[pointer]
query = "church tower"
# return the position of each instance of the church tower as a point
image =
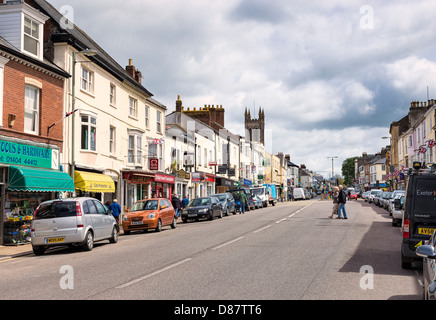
(255, 128)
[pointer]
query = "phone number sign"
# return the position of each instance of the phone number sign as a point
(26, 155)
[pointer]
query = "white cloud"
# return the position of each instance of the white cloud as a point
(327, 85)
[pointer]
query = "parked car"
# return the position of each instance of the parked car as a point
(374, 193)
(365, 195)
(397, 211)
(427, 251)
(419, 215)
(394, 194)
(75, 221)
(147, 214)
(353, 195)
(258, 203)
(384, 199)
(235, 194)
(227, 202)
(205, 207)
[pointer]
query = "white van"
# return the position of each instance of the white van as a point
(299, 194)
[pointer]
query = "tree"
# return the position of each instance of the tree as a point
(348, 170)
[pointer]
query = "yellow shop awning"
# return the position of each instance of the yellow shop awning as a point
(93, 182)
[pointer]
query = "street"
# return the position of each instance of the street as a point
(292, 251)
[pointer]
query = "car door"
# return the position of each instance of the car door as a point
(94, 219)
(106, 220)
(170, 213)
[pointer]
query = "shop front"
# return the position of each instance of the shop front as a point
(29, 175)
(136, 185)
(163, 185)
(203, 184)
(223, 184)
(182, 183)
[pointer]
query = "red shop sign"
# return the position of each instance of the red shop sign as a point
(163, 178)
(153, 164)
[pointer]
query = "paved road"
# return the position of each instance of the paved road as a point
(290, 251)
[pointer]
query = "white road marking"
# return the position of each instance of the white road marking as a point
(227, 243)
(258, 230)
(153, 273)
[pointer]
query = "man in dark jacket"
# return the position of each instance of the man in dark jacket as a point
(175, 201)
(342, 199)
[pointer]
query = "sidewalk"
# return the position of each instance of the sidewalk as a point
(8, 252)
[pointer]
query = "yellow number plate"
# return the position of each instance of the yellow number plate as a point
(54, 240)
(428, 231)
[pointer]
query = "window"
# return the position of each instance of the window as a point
(112, 140)
(113, 95)
(158, 122)
(31, 110)
(134, 154)
(147, 117)
(133, 110)
(87, 80)
(89, 130)
(31, 36)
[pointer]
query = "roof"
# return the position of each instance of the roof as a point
(81, 41)
(45, 63)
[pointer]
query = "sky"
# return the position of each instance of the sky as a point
(331, 76)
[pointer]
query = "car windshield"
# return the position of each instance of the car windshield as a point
(257, 191)
(56, 209)
(144, 205)
(221, 197)
(199, 202)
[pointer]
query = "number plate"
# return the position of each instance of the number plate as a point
(136, 222)
(191, 215)
(428, 231)
(54, 240)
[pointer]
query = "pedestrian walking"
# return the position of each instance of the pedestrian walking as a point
(116, 210)
(335, 202)
(244, 201)
(342, 199)
(175, 201)
(184, 202)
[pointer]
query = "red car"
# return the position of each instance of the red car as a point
(353, 195)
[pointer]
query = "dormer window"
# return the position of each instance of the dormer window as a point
(24, 28)
(31, 36)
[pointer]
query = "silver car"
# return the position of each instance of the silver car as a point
(427, 251)
(397, 212)
(79, 221)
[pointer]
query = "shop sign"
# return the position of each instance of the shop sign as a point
(197, 177)
(188, 159)
(210, 178)
(153, 164)
(163, 178)
(183, 174)
(28, 155)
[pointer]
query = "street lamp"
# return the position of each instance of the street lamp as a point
(334, 157)
(88, 53)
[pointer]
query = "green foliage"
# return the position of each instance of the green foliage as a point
(348, 170)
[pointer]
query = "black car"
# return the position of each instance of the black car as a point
(419, 214)
(199, 208)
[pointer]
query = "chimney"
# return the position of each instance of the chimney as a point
(135, 74)
(179, 107)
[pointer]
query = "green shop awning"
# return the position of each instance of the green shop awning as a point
(43, 180)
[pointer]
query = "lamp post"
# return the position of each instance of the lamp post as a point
(88, 53)
(334, 157)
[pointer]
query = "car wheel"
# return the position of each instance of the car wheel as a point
(184, 220)
(174, 224)
(227, 212)
(159, 226)
(38, 250)
(211, 215)
(114, 238)
(89, 242)
(221, 214)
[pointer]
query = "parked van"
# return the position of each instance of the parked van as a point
(419, 215)
(299, 194)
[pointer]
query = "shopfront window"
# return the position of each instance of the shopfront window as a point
(18, 214)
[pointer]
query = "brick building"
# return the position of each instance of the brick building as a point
(31, 126)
